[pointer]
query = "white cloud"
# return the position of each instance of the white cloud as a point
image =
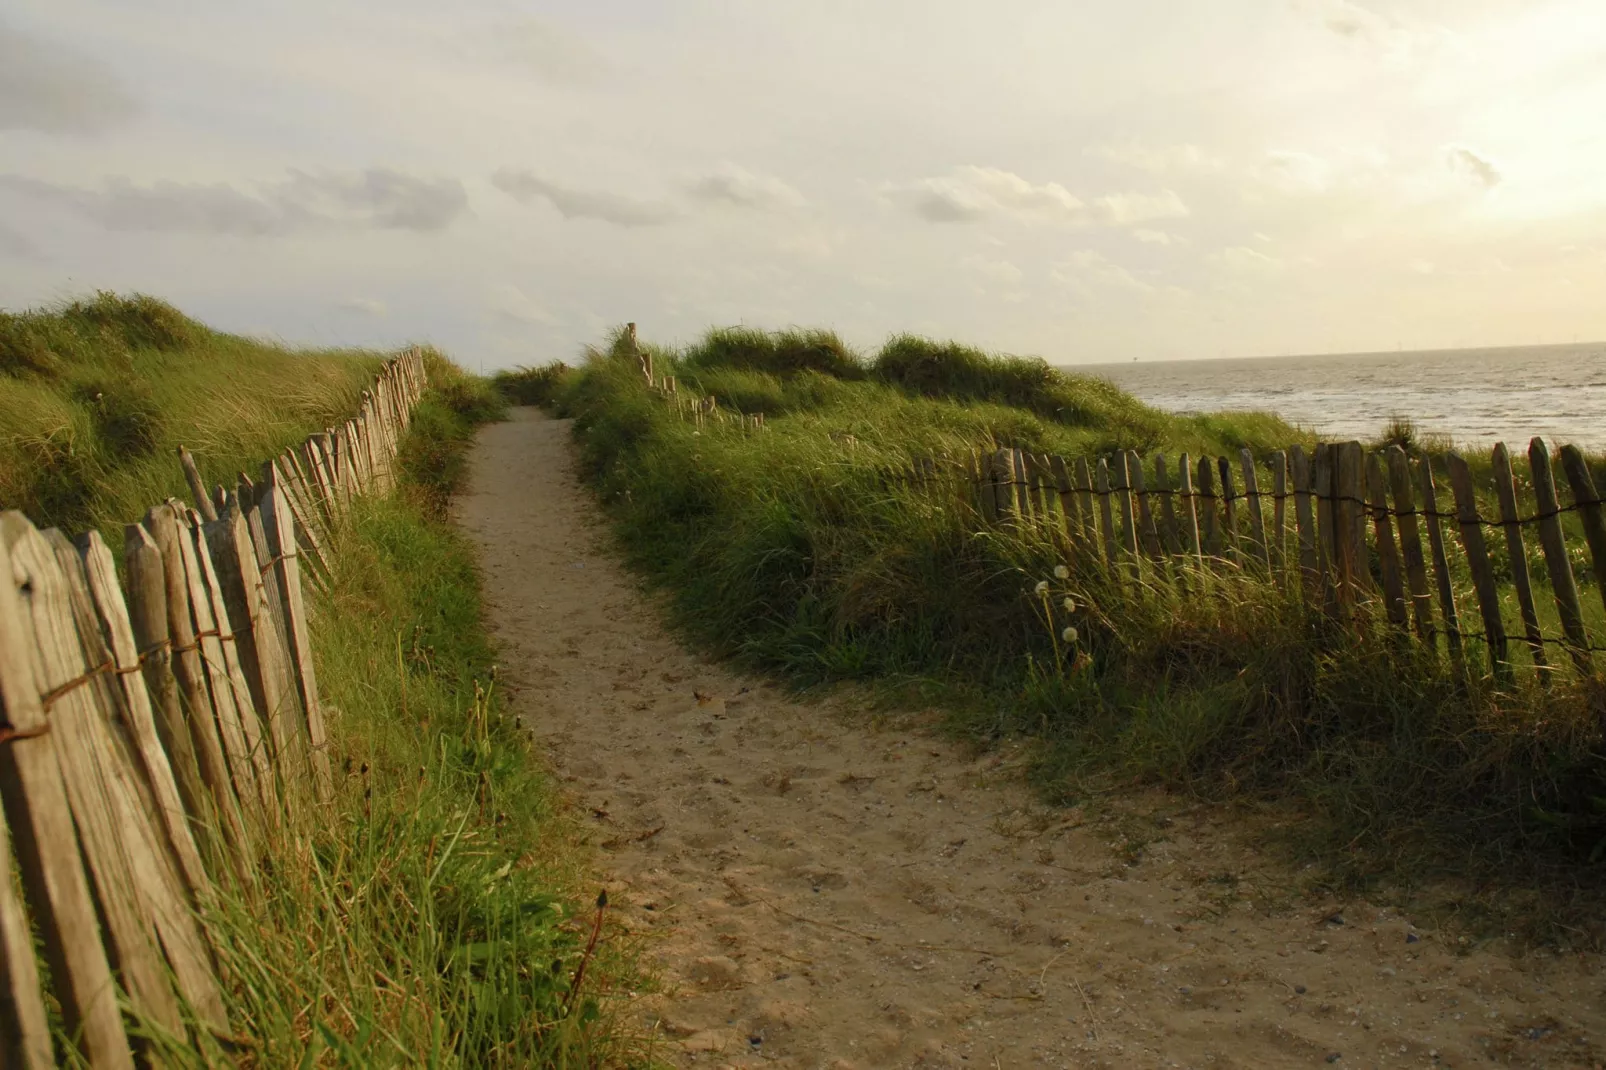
(1159, 159)
(741, 188)
(544, 49)
(1394, 38)
(572, 203)
(379, 198)
(1086, 270)
(1125, 209)
(363, 306)
(1001, 272)
(1243, 258)
(48, 87)
(970, 194)
(1153, 237)
(508, 302)
(1468, 165)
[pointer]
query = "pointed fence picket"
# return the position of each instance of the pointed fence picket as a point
(156, 732)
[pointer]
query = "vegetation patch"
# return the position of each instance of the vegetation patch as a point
(96, 396)
(793, 550)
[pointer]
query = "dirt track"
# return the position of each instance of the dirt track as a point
(828, 893)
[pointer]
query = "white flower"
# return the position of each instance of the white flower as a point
(1042, 587)
(1069, 635)
(1061, 572)
(1070, 605)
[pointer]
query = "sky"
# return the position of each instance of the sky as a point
(1156, 179)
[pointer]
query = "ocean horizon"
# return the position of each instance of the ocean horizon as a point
(1476, 396)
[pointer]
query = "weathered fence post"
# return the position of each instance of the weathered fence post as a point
(1556, 562)
(1505, 489)
(1441, 561)
(1471, 524)
(1388, 557)
(1399, 478)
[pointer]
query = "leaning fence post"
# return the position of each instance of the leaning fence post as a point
(1257, 520)
(1587, 502)
(1505, 489)
(1399, 478)
(1305, 528)
(1383, 536)
(1561, 570)
(53, 878)
(1106, 513)
(1471, 524)
(1191, 542)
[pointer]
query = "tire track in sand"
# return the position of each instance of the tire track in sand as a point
(825, 893)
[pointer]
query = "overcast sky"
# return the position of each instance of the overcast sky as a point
(1085, 181)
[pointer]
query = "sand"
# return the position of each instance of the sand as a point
(823, 888)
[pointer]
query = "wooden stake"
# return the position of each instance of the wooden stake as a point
(48, 858)
(192, 475)
(1506, 490)
(1471, 525)
(1556, 562)
(1388, 555)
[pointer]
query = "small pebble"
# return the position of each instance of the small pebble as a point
(755, 1041)
(1334, 1057)
(1412, 938)
(1299, 990)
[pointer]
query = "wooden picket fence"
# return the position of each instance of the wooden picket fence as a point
(160, 731)
(1365, 534)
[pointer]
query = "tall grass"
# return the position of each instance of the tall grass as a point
(97, 394)
(787, 549)
(440, 915)
(438, 912)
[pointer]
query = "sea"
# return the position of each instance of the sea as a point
(1475, 396)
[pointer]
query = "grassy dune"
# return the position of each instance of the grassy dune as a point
(786, 549)
(96, 395)
(438, 912)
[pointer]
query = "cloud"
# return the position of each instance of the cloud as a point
(1356, 22)
(546, 50)
(363, 306)
(741, 188)
(14, 243)
(1125, 209)
(1243, 258)
(508, 302)
(615, 208)
(970, 194)
(46, 87)
(1158, 160)
(1153, 237)
(999, 271)
(1396, 39)
(1085, 270)
(1469, 165)
(378, 198)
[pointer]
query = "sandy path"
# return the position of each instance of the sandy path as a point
(832, 894)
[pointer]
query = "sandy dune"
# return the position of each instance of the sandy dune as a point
(826, 892)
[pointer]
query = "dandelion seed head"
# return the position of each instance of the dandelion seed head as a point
(1069, 635)
(1061, 572)
(1042, 587)
(1070, 605)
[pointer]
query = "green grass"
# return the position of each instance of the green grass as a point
(96, 395)
(788, 550)
(439, 916)
(438, 912)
